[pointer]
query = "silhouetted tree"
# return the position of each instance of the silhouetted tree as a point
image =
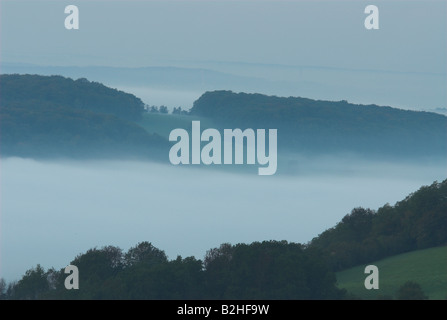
(32, 285)
(146, 253)
(3, 288)
(163, 109)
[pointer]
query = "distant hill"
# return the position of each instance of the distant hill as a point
(426, 267)
(384, 87)
(53, 116)
(314, 126)
(79, 94)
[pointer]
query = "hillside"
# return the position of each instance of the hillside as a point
(80, 94)
(314, 126)
(260, 270)
(53, 116)
(426, 267)
(417, 222)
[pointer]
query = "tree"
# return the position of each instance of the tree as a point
(78, 94)
(3, 288)
(96, 265)
(411, 291)
(32, 285)
(163, 109)
(268, 270)
(146, 253)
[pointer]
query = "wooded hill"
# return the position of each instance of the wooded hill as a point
(417, 222)
(53, 116)
(315, 126)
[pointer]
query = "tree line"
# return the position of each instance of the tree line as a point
(53, 116)
(80, 94)
(164, 110)
(260, 270)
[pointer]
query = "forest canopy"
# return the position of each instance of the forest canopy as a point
(53, 116)
(316, 126)
(81, 94)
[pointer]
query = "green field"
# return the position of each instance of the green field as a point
(426, 267)
(163, 124)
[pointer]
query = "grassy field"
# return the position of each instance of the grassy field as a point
(427, 267)
(163, 124)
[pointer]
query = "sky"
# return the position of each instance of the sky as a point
(411, 35)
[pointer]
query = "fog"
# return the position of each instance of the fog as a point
(409, 91)
(167, 97)
(52, 211)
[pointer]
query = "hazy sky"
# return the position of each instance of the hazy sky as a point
(412, 35)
